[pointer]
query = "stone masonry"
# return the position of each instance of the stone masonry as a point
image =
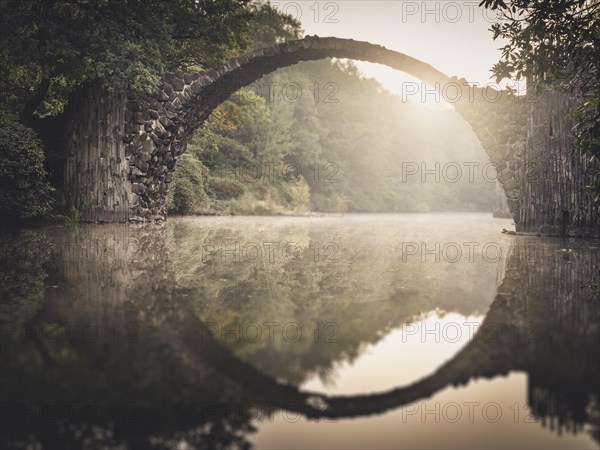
(508, 127)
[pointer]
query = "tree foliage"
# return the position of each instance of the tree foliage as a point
(50, 47)
(187, 194)
(557, 43)
(25, 193)
(318, 136)
(270, 26)
(549, 40)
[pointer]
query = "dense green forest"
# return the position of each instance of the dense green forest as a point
(314, 137)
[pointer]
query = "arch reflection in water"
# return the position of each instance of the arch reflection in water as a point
(104, 332)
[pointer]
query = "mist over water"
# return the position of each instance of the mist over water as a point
(397, 330)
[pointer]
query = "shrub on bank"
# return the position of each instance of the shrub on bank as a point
(25, 192)
(187, 194)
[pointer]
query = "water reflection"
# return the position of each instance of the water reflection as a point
(158, 336)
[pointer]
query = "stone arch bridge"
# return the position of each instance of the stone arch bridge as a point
(138, 147)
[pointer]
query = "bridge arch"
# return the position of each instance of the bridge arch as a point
(157, 135)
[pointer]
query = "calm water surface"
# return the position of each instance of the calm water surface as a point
(364, 331)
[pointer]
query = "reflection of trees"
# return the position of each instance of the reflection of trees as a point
(174, 377)
(367, 293)
(23, 257)
(593, 411)
(563, 316)
(128, 383)
(543, 321)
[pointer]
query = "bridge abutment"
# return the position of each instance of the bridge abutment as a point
(96, 169)
(554, 174)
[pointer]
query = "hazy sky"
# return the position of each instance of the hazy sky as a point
(453, 36)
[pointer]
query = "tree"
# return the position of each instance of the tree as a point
(25, 191)
(52, 47)
(557, 43)
(187, 194)
(269, 26)
(554, 41)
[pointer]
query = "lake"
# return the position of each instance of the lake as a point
(362, 331)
